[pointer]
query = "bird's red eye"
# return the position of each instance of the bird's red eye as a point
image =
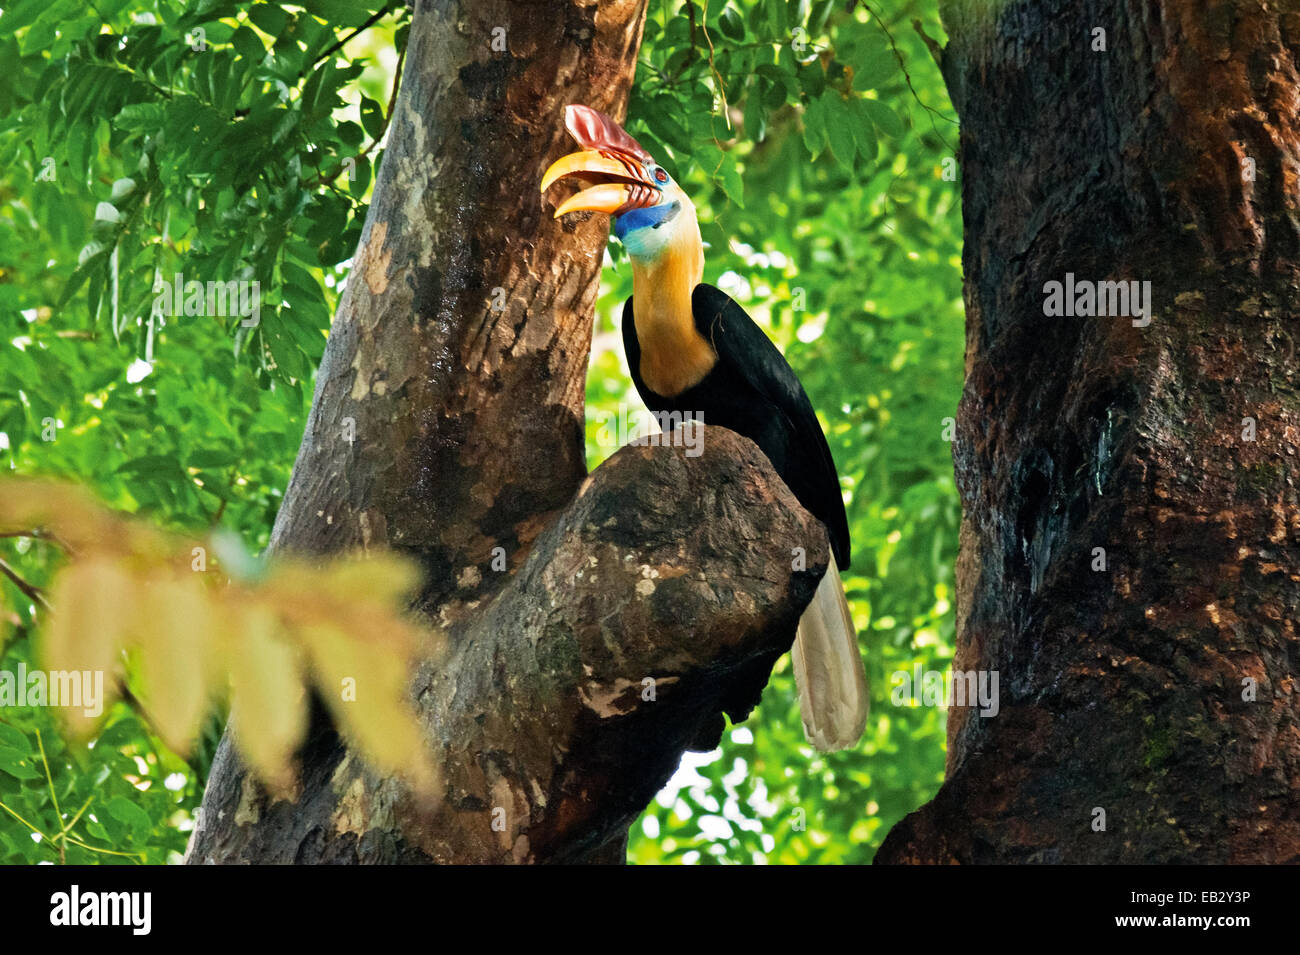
(660, 175)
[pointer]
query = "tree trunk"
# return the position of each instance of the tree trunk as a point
(588, 645)
(1129, 562)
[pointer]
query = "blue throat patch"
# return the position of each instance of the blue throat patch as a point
(649, 218)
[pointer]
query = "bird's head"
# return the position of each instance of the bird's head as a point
(652, 215)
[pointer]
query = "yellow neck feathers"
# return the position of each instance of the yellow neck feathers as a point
(674, 356)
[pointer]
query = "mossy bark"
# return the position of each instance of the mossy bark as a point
(1130, 554)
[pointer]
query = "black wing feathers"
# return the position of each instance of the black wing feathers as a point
(750, 355)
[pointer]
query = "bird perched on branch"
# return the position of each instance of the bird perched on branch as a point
(694, 351)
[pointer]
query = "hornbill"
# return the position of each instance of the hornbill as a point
(693, 350)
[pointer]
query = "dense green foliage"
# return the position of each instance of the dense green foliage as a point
(133, 148)
(829, 218)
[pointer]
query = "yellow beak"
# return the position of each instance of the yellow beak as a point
(615, 185)
(584, 164)
(606, 197)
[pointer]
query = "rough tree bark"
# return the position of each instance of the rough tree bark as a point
(447, 422)
(1171, 157)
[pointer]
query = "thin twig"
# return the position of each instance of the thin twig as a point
(931, 44)
(387, 9)
(717, 77)
(225, 498)
(137, 856)
(902, 65)
(67, 829)
(130, 699)
(33, 592)
(397, 81)
(39, 534)
(44, 841)
(324, 178)
(58, 813)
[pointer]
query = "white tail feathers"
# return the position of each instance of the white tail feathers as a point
(828, 669)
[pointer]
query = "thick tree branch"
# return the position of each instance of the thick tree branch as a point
(656, 601)
(448, 415)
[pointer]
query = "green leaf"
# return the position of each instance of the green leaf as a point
(732, 182)
(731, 23)
(874, 69)
(296, 277)
(820, 14)
(814, 127)
(350, 134)
(372, 117)
(151, 465)
(130, 815)
(359, 177)
(137, 117)
(289, 359)
(812, 78)
(340, 12)
(248, 44)
(864, 130)
(269, 18)
(203, 11)
(784, 78)
(20, 14)
(778, 14)
(883, 117)
(14, 739)
(92, 262)
(125, 731)
(755, 119)
(840, 122)
(17, 763)
(97, 829)
(212, 458)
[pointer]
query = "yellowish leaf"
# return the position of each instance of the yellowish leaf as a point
(269, 705)
(366, 688)
(91, 601)
(173, 626)
(129, 586)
